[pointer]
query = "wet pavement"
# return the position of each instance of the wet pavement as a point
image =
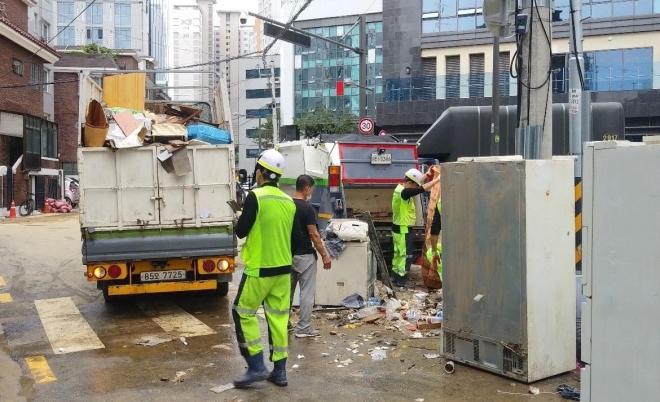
(41, 269)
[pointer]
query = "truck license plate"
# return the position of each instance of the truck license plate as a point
(382, 159)
(153, 276)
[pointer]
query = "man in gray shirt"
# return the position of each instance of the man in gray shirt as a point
(304, 259)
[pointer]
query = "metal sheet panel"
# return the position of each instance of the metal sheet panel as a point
(623, 216)
(356, 164)
(11, 124)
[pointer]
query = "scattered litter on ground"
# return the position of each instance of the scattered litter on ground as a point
(222, 388)
(333, 332)
(295, 366)
(431, 356)
(419, 400)
(180, 376)
(534, 390)
(153, 340)
(183, 340)
(225, 325)
(164, 379)
(224, 346)
(346, 362)
(378, 354)
(301, 356)
(568, 392)
(332, 316)
(417, 335)
(210, 365)
(478, 297)
(353, 301)
(340, 366)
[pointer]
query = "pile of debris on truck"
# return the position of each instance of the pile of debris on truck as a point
(175, 126)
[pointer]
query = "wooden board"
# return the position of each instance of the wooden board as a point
(429, 271)
(125, 90)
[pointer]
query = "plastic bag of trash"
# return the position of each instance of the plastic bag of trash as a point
(366, 312)
(208, 134)
(353, 301)
(568, 392)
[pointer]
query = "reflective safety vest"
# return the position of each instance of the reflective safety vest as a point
(439, 206)
(403, 212)
(268, 245)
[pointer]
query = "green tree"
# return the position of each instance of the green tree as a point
(93, 48)
(325, 121)
(264, 133)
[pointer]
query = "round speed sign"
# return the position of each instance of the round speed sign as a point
(366, 126)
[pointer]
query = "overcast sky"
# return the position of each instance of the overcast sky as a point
(249, 5)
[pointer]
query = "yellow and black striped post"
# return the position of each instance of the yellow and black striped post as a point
(578, 224)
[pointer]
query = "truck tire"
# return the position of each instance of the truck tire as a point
(221, 290)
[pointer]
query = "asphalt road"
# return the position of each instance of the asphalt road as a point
(59, 341)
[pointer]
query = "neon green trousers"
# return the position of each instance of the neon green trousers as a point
(403, 258)
(274, 294)
(430, 254)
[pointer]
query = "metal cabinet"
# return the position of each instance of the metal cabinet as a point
(621, 272)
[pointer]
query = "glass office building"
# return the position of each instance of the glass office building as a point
(319, 67)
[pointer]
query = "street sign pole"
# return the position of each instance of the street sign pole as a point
(495, 118)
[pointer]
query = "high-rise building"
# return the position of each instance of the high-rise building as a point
(191, 38)
(186, 37)
(309, 75)
(115, 25)
(246, 37)
(270, 9)
(227, 39)
(158, 22)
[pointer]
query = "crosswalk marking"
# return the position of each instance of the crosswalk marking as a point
(5, 298)
(2, 282)
(66, 328)
(40, 369)
(173, 318)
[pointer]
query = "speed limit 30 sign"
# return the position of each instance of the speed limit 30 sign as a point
(366, 126)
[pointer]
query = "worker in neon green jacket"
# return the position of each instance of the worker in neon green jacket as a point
(403, 217)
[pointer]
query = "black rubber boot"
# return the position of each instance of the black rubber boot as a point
(401, 281)
(256, 371)
(278, 375)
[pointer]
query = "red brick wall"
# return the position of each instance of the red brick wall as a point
(128, 62)
(66, 116)
(23, 99)
(17, 11)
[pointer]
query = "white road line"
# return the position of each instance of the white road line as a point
(66, 328)
(174, 319)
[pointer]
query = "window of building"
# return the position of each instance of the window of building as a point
(252, 153)
(260, 93)
(122, 14)
(559, 73)
(36, 74)
(477, 76)
(504, 63)
(94, 14)
(17, 67)
(123, 38)
(47, 87)
(45, 32)
(95, 35)
(67, 36)
(65, 13)
(251, 133)
(453, 77)
(255, 113)
(451, 15)
(49, 140)
(429, 68)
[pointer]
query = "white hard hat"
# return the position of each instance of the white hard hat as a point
(415, 175)
(272, 160)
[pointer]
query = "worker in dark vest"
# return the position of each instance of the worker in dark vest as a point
(269, 222)
(404, 216)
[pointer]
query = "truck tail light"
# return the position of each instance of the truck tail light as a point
(208, 266)
(114, 271)
(334, 179)
(223, 265)
(99, 272)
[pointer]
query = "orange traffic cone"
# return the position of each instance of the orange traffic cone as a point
(46, 208)
(12, 211)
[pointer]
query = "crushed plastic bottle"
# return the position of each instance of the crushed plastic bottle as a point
(373, 302)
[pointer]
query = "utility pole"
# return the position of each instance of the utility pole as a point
(363, 66)
(495, 119)
(271, 81)
(536, 99)
(575, 84)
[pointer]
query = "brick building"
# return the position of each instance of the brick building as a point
(24, 132)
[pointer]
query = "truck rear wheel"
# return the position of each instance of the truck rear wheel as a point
(221, 290)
